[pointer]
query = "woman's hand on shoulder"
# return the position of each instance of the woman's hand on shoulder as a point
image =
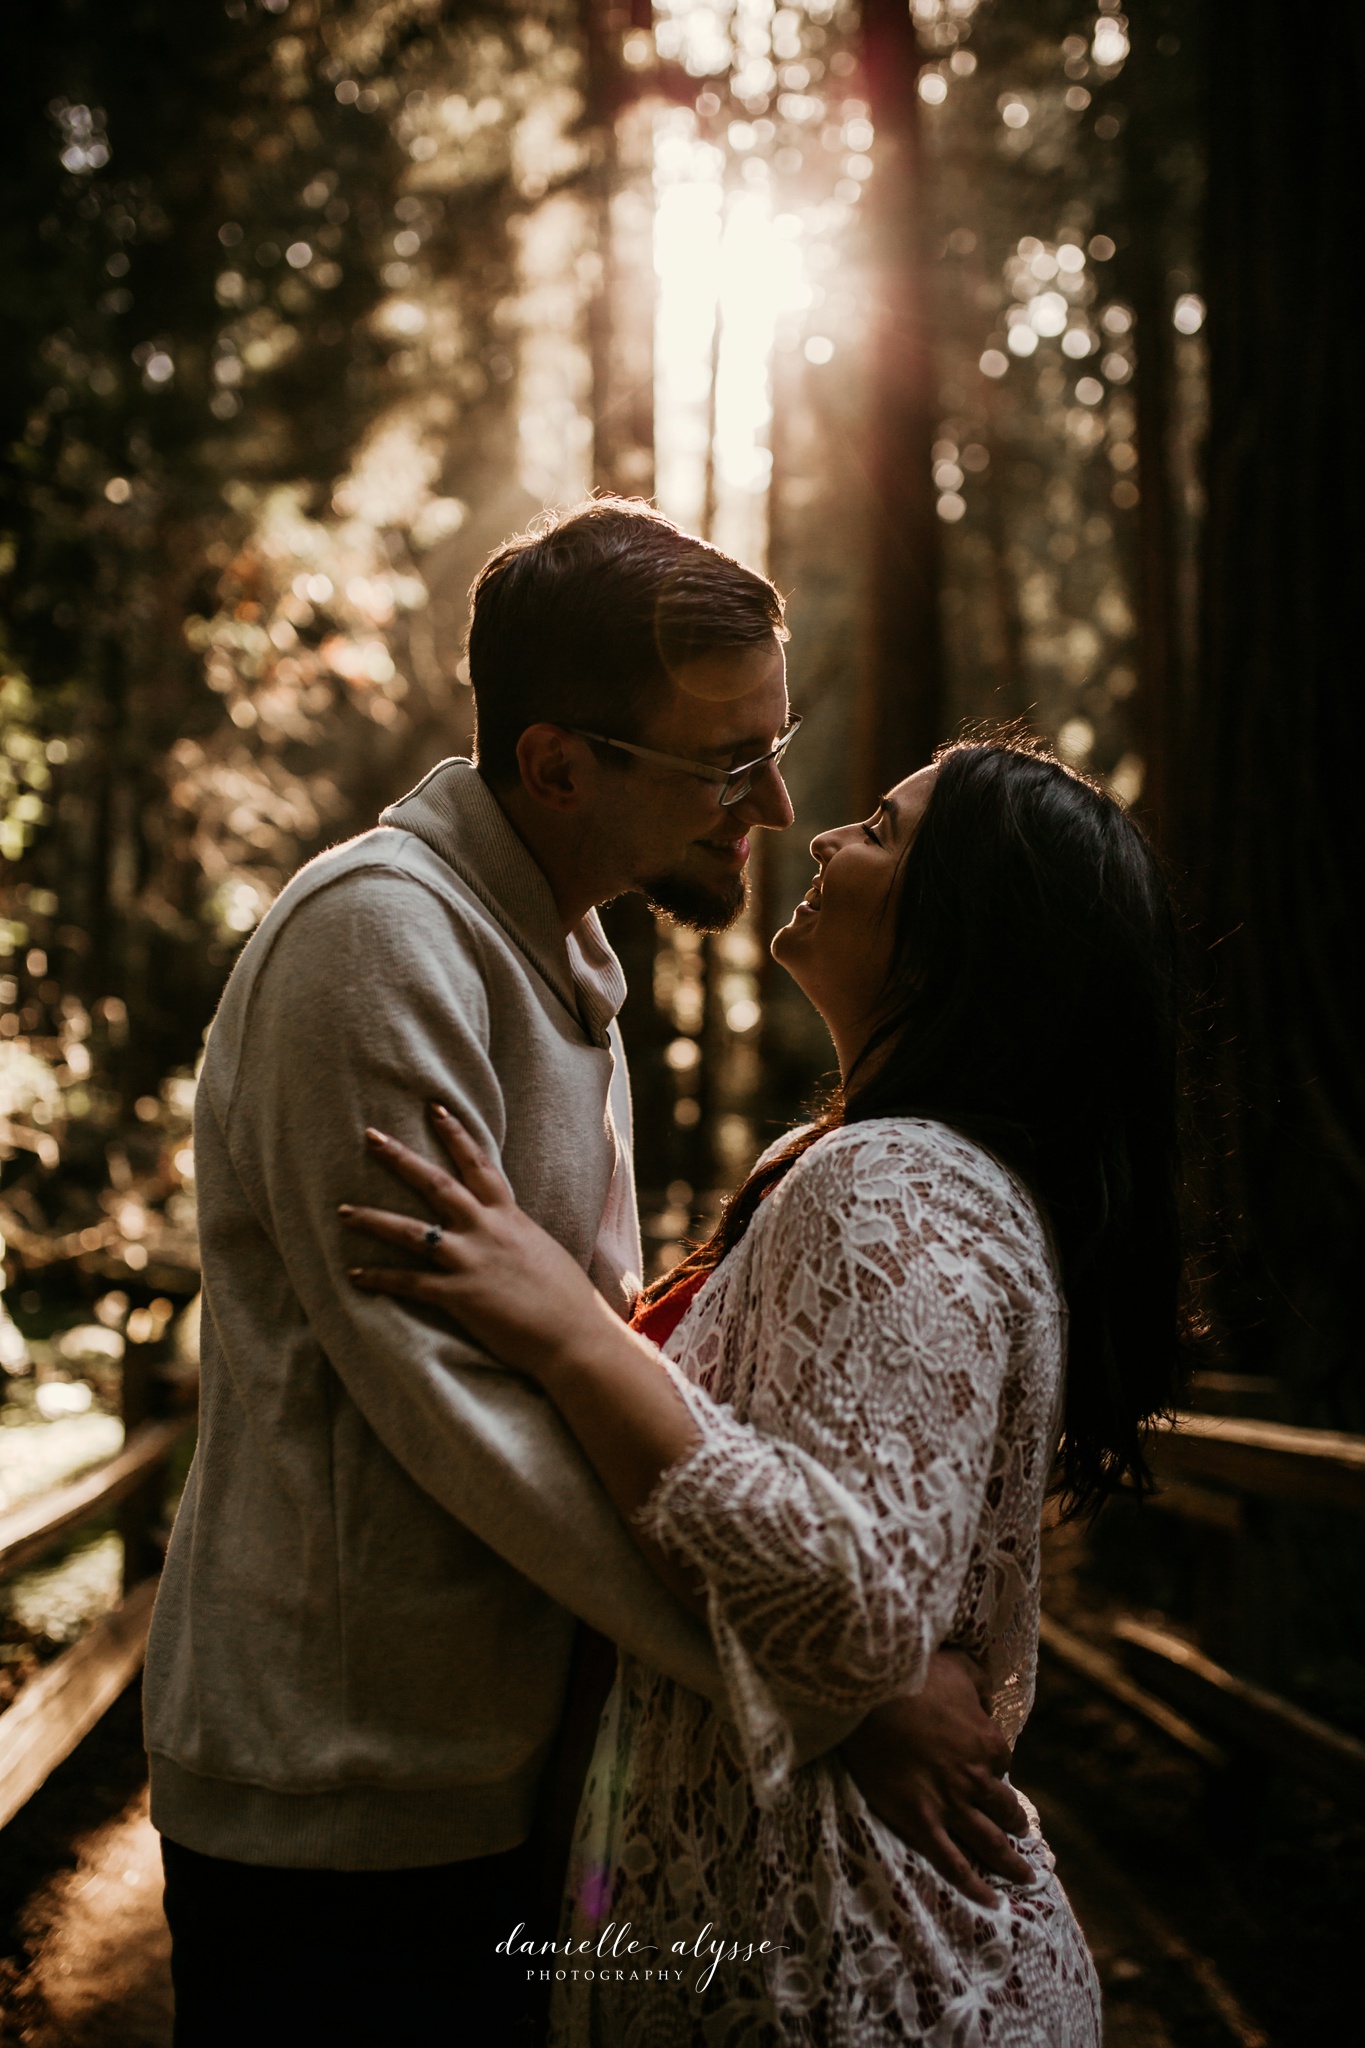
(492, 1270)
(518, 1293)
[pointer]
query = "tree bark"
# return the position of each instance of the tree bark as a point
(1278, 819)
(1141, 269)
(903, 705)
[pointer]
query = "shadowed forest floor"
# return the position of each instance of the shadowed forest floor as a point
(84, 1950)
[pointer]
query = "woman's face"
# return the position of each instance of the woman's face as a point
(837, 947)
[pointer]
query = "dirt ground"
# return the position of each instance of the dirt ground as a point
(100, 1969)
(84, 1952)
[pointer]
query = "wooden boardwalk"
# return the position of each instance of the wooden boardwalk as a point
(85, 1958)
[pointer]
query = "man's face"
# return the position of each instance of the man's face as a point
(685, 851)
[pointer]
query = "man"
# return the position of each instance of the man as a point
(359, 1652)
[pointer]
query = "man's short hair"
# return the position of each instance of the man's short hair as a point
(582, 621)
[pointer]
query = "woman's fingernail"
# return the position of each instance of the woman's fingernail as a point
(375, 1138)
(345, 1209)
(439, 1109)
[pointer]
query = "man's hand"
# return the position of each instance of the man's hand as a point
(930, 1764)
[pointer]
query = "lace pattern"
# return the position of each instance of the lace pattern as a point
(876, 1371)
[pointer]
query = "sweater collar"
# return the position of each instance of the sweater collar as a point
(457, 815)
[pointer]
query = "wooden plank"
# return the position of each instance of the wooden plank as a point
(63, 1702)
(35, 1525)
(1246, 1713)
(1274, 1460)
(1097, 1668)
(1174, 1985)
(1246, 1395)
(1207, 1505)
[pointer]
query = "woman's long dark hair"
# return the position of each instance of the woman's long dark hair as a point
(1031, 1006)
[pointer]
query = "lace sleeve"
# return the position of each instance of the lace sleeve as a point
(835, 1525)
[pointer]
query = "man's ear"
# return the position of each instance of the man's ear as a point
(556, 766)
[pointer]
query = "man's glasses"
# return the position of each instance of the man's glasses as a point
(733, 784)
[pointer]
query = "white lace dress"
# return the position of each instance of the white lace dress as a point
(876, 1371)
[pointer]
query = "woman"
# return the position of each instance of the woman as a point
(844, 1461)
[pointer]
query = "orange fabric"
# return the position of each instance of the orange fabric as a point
(662, 1317)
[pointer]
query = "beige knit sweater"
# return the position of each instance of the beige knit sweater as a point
(359, 1647)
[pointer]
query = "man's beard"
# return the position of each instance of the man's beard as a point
(698, 906)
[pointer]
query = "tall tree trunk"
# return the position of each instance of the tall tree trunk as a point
(620, 338)
(1280, 818)
(621, 310)
(903, 708)
(1141, 270)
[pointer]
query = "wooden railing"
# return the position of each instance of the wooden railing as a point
(61, 1705)
(1212, 1471)
(1269, 1460)
(28, 1531)
(63, 1701)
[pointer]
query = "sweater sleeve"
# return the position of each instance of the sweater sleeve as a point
(370, 1005)
(835, 1526)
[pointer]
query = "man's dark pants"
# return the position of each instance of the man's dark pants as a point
(348, 1959)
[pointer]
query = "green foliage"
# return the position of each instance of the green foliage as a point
(255, 271)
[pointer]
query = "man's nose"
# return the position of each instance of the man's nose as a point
(768, 803)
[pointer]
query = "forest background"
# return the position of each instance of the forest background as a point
(1012, 337)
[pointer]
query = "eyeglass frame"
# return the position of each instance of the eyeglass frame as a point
(746, 774)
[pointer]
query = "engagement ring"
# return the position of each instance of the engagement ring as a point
(432, 1238)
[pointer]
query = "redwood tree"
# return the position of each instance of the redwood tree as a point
(1277, 819)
